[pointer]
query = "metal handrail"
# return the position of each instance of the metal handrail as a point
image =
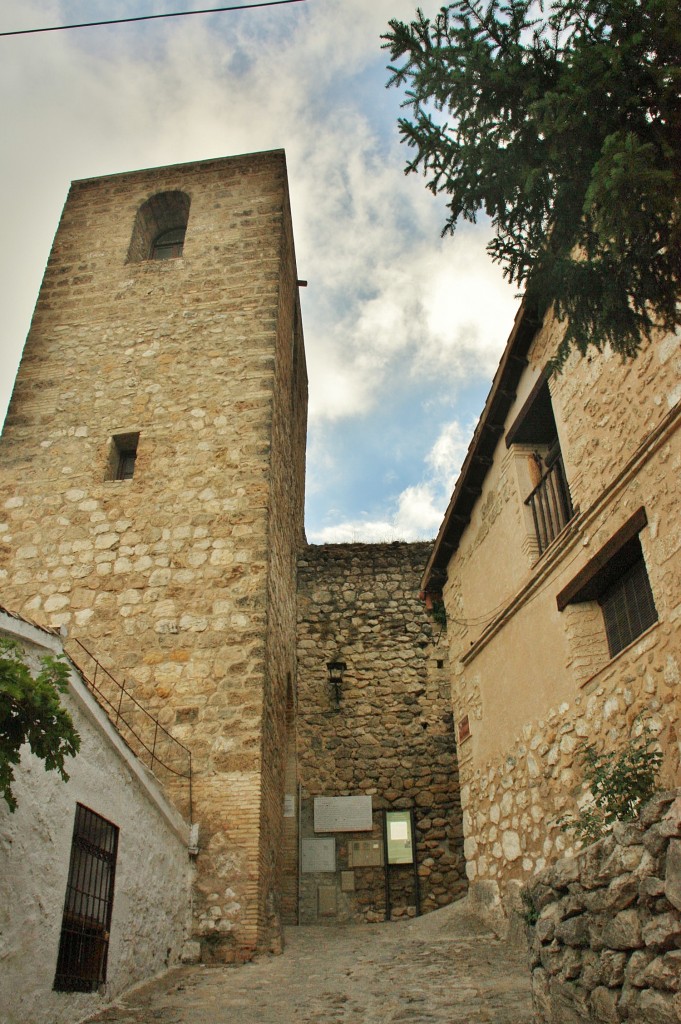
(115, 713)
(551, 504)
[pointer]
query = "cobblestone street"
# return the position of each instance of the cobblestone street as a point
(439, 968)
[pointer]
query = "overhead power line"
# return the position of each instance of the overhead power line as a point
(151, 17)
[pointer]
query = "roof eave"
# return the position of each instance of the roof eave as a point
(480, 451)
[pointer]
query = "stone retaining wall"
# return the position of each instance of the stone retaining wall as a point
(606, 946)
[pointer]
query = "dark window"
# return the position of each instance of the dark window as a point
(618, 580)
(159, 228)
(628, 607)
(123, 456)
(549, 500)
(86, 922)
(126, 464)
(168, 244)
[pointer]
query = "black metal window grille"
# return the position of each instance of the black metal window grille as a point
(628, 607)
(86, 921)
(168, 244)
(550, 503)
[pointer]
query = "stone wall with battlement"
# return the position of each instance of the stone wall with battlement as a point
(390, 734)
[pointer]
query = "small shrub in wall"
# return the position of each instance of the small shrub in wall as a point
(620, 782)
(31, 712)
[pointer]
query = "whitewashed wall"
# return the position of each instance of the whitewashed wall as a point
(151, 900)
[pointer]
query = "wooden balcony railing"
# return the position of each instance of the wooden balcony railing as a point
(551, 503)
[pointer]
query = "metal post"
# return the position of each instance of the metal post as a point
(120, 702)
(417, 883)
(386, 868)
(299, 813)
(191, 809)
(153, 746)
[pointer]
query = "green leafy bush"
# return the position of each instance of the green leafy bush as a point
(530, 911)
(620, 781)
(560, 122)
(31, 712)
(438, 613)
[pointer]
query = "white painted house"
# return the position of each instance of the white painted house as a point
(94, 872)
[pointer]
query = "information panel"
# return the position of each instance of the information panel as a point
(318, 855)
(398, 837)
(289, 805)
(342, 814)
(365, 853)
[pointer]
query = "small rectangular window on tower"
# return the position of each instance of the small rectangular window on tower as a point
(122, 456)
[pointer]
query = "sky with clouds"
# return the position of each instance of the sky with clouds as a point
(403, 328)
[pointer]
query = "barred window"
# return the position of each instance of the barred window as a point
(86, 921)
(628, 607)
(548, 497)
(617, 579)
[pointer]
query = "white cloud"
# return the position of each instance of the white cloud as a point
(388, 301)
(445, 458)
(418, 510)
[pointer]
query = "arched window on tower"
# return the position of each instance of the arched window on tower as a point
(168, 244)
(160, 227)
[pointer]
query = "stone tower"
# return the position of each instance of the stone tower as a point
(152, 478)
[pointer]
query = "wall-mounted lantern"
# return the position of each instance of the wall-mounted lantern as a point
(336, 670)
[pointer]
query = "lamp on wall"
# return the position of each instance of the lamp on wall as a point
(336, 670)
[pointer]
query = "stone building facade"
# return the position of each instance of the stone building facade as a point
(565, 520)
(152, 476)
(152, 473)
(386, 735)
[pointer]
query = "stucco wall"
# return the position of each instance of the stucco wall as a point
(391, 735)
(151, 908)
(536, 682)
(169, 578)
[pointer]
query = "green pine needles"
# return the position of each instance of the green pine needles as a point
(561, 122)
(620, 781)
(31, 712)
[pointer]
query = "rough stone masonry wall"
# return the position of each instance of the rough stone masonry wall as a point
(164, 576)
(285, 539)
(606, 946)
(511, 808)
(536, 683)
(391, 736)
